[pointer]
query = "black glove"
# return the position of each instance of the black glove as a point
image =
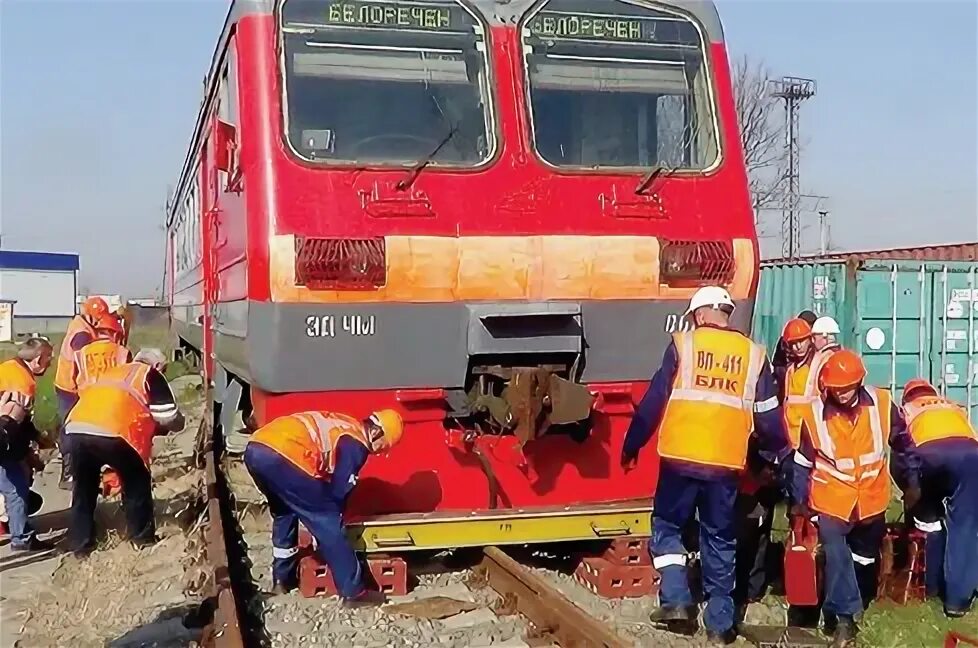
(628, 460)
(911, 496)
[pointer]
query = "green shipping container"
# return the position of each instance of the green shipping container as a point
(907, 318)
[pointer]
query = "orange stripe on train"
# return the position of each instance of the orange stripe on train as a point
(507, 268)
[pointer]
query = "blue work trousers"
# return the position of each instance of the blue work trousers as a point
(678, 497)
(846, 545)
(949, 492)
(293, 496)
(15, 487)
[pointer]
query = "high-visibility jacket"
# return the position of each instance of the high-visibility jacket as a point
(97, 358)
(308, 439)
(64, 377)
(15, 377)
(849, 471)
(932, 418)
(801, 390)
(117, 404)
(710, 414)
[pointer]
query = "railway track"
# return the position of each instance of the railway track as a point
(523, 591)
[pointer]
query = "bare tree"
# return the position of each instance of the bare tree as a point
(762, 133)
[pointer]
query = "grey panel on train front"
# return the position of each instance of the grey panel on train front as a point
(313, 347)
(553, 327)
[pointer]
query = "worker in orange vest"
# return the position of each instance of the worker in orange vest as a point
(306, 465)
(840, 474)
(100, 355)
(948, 448)
(714, 388)
(113, 424)
(81, 331)
(18, 384)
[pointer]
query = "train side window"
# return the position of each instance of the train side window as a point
(228, 140)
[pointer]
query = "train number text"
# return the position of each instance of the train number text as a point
(331, 326)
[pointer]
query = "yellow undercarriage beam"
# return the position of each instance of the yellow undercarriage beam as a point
(508, 526)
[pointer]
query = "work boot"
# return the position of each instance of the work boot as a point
(714, 638)
(278, 589)
(844, 633)
(678, 620)
(953, 613)
(33, 545)
(65, 481)
(367, 598)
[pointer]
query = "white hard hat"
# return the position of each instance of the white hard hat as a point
(825, 326)
(712, 296)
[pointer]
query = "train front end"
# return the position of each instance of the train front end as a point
(489, 216)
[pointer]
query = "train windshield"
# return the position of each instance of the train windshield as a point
(616, 84)
(386, 82)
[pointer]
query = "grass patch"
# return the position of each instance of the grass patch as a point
(887, 625)
(45, 402)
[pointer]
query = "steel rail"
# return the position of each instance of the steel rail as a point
(546, 608)
(225, 629)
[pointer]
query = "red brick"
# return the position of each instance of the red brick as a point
(629, 552)
(315, 578)
(389, 576)
(609, 580)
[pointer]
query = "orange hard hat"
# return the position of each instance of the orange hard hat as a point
(94, 308)
(109, 323)
(796, 330)
(843, 369)
(918, 385)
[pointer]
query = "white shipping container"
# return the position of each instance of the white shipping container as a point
(39, 293)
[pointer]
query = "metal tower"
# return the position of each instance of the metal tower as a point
(793, 91)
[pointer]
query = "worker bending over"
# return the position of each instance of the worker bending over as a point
(947, 445)
(81, 332)
(18, 384)
(841, 475)
(714, 386)
(113, 424)
(306, 464)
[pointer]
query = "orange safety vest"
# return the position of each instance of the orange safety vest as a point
(117, 404)
(932, 418)
(307, 439)
(64, 377)
(17, 378)
(801, 390)
(97, 358)
(710, 414)
(850, 471)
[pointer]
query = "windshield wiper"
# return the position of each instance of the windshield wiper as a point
(405, 184)
(649, 178)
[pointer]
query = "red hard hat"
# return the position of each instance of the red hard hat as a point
(843, 369)
(918, 385)
(94, 308)
(796, 330)
(109, 323)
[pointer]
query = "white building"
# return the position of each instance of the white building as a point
(43, 286)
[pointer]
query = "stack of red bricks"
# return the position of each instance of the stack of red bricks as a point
(624, 570)
(389, 573)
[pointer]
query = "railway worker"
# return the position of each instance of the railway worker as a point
(841, 475)
(779, 363)
(81, 331)
(306, 465)
(113, 424)
(18, 384)
(948, 448)
(825, 332)
(714, 386)
(105, 352)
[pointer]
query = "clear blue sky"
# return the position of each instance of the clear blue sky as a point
(98, 99)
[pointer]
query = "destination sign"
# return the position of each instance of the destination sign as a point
(395, 15)
(611, 28)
